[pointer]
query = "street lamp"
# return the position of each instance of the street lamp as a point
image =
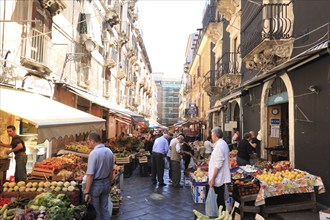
(71, 57)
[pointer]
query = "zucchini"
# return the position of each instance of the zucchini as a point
(3, 208)
(226, 215)
(4, 216)
(221, 216)
(220, 210)
(10, 217)
(200, 216)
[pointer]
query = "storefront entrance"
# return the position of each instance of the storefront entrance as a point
(277, 122)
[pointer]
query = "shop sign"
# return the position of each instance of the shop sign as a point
(37, 85)
(192, 110)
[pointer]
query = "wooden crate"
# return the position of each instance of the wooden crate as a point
(143, 159)
(122, 160)
(39, 172)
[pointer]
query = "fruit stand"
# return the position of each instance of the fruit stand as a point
(274, 188)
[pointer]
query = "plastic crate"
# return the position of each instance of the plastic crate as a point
(244, 190)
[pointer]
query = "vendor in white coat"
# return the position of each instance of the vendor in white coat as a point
(219, 171)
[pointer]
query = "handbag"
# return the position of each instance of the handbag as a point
(211, 207)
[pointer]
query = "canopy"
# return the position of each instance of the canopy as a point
(52, 119)
(155, 124)
(107, 104)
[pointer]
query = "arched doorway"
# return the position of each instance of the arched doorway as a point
(277, 118)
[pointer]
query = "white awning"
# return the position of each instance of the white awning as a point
(52, 119)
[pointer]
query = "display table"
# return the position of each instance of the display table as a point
(304, 185)
(244, 207)
(287, 196)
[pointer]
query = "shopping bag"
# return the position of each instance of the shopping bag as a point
(89, 213)
(211, 207)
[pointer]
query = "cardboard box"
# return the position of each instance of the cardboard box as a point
(325, 214)
(198, 193)
(187, 181)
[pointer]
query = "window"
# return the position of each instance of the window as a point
(40, 34)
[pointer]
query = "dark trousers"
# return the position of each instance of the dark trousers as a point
(186, 162)
(20, 169)
(169, 167)
(157, 167)
(176, 172)
(220, 191)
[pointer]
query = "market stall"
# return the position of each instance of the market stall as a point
(275, 188)
(264, 188)
(55, 177)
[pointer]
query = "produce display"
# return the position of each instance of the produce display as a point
(56, 163)
(65, 167)
(246, 186)
(46, 206)
(40, 186)
(199, 175)
(237, 175)
(80, 147)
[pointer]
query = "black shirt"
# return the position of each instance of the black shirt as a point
(244, 149)
(148, 145)
(257, 149)
(15, 141)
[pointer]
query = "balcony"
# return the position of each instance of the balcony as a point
(209, 84)
(227, 8)
(120, 74)
(142, 83)
(112, 17)
(229, 71)
(111, 59)
(55, 7)
(212, 24)
(267, 39)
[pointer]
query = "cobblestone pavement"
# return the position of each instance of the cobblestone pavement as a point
(142, 200)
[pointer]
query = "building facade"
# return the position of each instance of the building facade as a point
(87, 54)
(271, 65)
(168, 98)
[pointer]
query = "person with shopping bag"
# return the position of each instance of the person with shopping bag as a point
(219, 171)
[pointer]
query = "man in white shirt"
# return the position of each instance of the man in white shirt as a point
(219, 171)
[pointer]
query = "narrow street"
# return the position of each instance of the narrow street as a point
(142, 200)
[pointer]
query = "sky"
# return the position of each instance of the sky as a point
(166, 25)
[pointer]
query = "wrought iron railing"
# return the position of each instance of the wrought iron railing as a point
(211, 78)
(39, 46)
(228, 64)
(273, 22)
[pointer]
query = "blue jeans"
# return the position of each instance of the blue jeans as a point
(99, 198)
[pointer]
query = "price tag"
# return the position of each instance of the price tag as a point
(236, 204)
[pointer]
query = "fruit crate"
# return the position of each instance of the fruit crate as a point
(40, 172)
(143, 159)
(122, 160)
(247, 188)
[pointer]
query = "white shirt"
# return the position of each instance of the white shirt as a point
(208, 147)
(220, 159)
